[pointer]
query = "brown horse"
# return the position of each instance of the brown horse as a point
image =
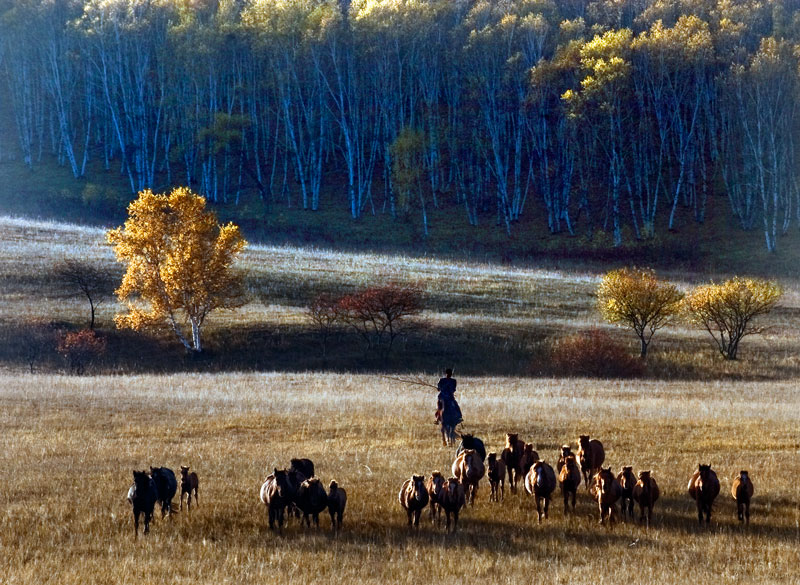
(570, 478)
(566, 451)
(434, 486)
(276, 495)
(645, 493)
(312, 500)
(528, 458)
(541, 483)
(591, 456)
(512, 456)
(452, 499)
(413, 497)
(606, 491)
(337, 500)
(468, 469)
(189, 484)
(626, 481)
(742, 491)
(497, 478)
(704, 488)
(142, 496)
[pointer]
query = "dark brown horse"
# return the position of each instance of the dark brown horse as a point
(142, 496)
(337, 500)
(591, 456)
(276, 495)
(570, 478)
(704, 488)
(452, 499)
(742, 491)
(468, 468)
(497, 478)
(434, 486)
(627, 481)
(189, 484)
(512, 457)
(566, 451)
(414, 497)
(645, 493)
(312, 500)
(606, 491)
(541, 483)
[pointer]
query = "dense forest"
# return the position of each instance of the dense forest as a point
(619, 115)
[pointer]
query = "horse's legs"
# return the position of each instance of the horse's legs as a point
(474, 493)
(408, 511)
(574, 494)
(502, 490)
(447, 523)
(565, 495)
(135, 524)
(538, 507)
(196, 501)
(546, 507)
(747, 511)
(147, 517)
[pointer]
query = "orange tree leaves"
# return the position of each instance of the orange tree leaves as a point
(180, 263)
(727, 310)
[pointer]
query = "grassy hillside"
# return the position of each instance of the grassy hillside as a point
(482, 318)
(65, 519)
(50, 192)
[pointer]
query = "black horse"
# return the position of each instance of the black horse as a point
(166, 485)
(142, 495)
(471, 442)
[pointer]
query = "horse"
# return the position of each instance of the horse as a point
(167, 486)
(304, 466)
(742, 491)
(468, 468)
(449, 416)
(275, 494)
(294, 479)
(627, 481)
(497, 477)
(540, 483)
(414, 497)
(591, 456)
(142, 496)
(566, 451)
(527, 459)
(312, 500)
(472, 442)
(189, 484)
(337, 500)
(606, 490)
(511, 455)
(645, 493)
(452, 499)
(434, 486)
(570, 479)
(704, 488)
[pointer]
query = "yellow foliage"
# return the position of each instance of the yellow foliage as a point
(179, 261)
(637, 298)
(726, 310)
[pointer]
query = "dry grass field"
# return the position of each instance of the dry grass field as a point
(68, 443)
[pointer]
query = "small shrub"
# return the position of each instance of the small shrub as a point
(325, 313)
(81, 348)
(593, 354)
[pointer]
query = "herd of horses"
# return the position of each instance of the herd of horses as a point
(520, 463)
(296, 489)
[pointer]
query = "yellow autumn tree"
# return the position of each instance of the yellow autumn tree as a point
(180, 264)
(637, 298)
(727, 310)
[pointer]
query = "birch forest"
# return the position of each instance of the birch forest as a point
(627, 116)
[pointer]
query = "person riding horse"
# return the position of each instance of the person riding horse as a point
(448, 413)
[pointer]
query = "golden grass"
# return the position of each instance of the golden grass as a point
(69, 444)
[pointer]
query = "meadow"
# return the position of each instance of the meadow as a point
(68, 443)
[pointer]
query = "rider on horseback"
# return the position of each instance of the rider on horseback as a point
(448, 412)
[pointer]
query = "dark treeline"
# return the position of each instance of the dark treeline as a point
(620, 115)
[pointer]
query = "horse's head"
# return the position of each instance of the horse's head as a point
(418, 486)
(333, 486)
(452, 486)
(511, 440)
(281, 482)
(583, 441)
(492, 458)
(703, 470)
(538, 471)
(437, 483)
(184, 471)
(566, 451)
(570, 462)
(627, 470)
(644, 476)
(605, 478)
(141, 480)
(744, 476)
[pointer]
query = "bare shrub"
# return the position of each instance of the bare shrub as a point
(595, 354)
(325, 313)
(379, 313)
(81, 348)
(35, 341)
